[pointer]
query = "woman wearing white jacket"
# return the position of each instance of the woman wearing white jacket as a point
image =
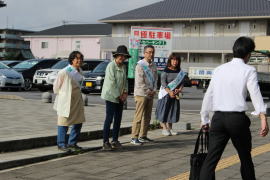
(69, 103)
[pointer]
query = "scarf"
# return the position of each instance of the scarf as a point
(148, 73)
(74, 74)
(172, 85)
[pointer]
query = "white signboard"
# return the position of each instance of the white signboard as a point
(160, 38)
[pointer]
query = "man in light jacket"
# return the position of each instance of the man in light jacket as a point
(144, 91)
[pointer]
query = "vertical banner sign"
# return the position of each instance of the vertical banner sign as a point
(160, 38)
(134, 44)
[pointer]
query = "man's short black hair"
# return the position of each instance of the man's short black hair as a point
(73, 55)
(242, 47)
(148, 46)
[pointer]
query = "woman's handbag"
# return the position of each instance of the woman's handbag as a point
(199, 155)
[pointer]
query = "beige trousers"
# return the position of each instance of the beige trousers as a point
(142, 116)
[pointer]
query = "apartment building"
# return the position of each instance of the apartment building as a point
(203, 30)
(12, 44)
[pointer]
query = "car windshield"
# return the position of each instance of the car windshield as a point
(60, 65)
(101, 68)
(3, 66)
(26, 64)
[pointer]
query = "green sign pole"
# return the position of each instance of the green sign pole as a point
(132, 62)
(134, 44)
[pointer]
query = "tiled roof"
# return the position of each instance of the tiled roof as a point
(185, 9)
(76, 29)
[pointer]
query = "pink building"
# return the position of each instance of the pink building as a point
(58, 42)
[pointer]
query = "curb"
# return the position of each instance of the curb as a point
(9, 165)
(11, 97)
(27, 161)
(38, 142)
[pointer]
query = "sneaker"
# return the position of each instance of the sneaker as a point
(173, 132)
(166, 132)
(75, 147)
(116, 145)
(107, 146)
(63, 148)
(145, 139)
(135, 141)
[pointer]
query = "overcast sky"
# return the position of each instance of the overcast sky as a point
(44, 14)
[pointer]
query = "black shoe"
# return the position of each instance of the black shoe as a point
(107, 146)
(116, 145)
(145, 139)
(63, 148)
(75, 147)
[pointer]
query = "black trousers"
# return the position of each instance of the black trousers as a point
(225, 126)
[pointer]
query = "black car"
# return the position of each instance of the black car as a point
(11, 63)
(28, 68)
(93, 81)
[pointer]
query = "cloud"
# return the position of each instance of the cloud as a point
(43, 14)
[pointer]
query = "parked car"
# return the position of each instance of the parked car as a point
(93, 81)
(44, 78)
(11, 63)
(28, 68)
(10, 78)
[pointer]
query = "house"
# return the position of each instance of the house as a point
(203, 30)
(59, 41)
(13, 46)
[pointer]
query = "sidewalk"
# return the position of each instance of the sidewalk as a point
(22, 119)
(28, 124)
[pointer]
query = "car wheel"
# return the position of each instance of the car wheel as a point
(28, 84)
(43, 89)
(85, 91)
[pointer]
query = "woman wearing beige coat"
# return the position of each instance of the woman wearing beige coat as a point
(69, 103)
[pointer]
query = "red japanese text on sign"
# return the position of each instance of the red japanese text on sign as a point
(136, 33)
(167, 35)
(152, 35)
(143, 34)
(159, 35)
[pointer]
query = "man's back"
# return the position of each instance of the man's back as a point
(229, 85)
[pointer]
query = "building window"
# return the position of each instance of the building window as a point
(77, 45)
(44, 45)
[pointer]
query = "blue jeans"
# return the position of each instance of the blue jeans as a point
(73, 136)
(113, 111)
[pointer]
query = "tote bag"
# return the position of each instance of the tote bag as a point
(199, 155)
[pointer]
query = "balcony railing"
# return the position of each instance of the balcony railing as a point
(180, 44)
(10, 36)
(14, 46)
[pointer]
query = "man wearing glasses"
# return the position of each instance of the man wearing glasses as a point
(144, 91)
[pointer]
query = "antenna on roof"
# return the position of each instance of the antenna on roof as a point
(2, 4)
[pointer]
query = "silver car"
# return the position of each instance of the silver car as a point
(10, 78)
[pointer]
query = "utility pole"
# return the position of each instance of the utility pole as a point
(2, 4)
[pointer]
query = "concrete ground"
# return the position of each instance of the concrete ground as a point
(166, 158)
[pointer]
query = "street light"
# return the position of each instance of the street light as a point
(2, 4)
